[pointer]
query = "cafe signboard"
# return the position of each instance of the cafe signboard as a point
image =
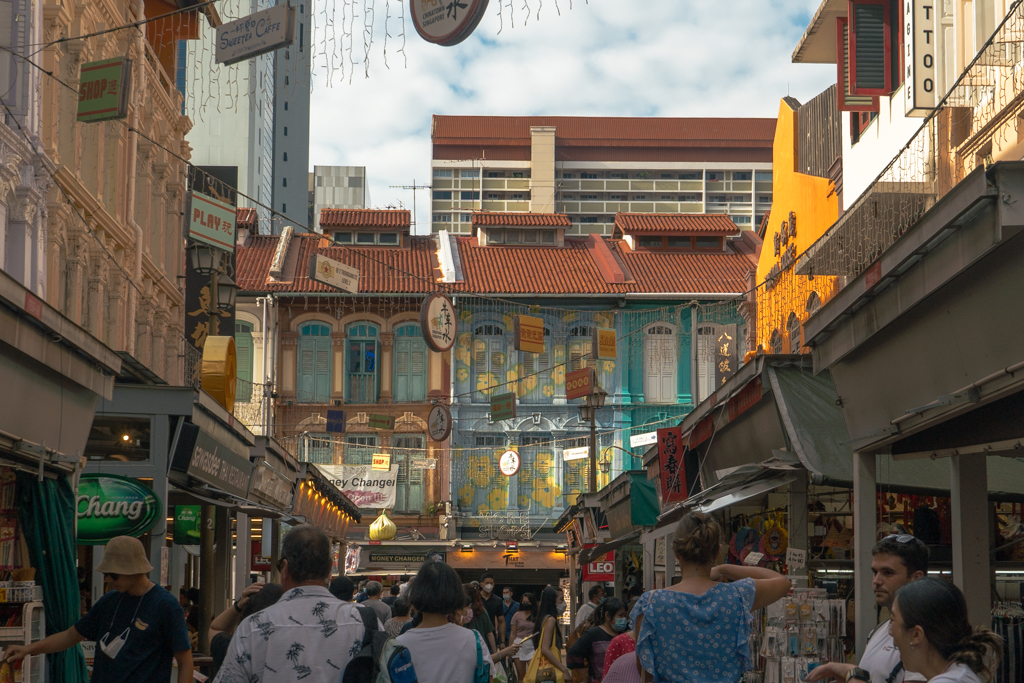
(255, 34)
(109, 505)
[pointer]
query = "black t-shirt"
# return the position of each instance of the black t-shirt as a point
(219, 648)
(156, 630)
(495, 608)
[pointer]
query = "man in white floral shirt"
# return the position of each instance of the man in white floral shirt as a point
(308, 635)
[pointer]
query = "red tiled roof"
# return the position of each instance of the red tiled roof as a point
(548, 220)
(365, 218)
(399, 270)
(676, 223)
(245, 218)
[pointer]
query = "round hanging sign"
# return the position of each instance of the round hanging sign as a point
(439, 423)
(437, 319)
(509, 463)
(446, 22)
(110, 505)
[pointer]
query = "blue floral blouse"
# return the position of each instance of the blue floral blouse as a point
(686, 638)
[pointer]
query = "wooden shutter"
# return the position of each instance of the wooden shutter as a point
(243, 356)
(870, 47)
(847, 100)
(401, 379)
(322, 370)
(417, 370)
(304, 376)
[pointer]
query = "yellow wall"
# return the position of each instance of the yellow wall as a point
(808, 197)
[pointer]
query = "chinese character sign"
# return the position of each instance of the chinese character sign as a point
(670, 460)
(437, 319)
(725, 354)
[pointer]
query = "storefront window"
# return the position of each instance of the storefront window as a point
(122, 439)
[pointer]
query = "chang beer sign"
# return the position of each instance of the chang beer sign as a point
(111, 505)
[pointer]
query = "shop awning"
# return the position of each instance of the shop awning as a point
(588, 554)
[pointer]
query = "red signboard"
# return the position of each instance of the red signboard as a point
(670, 460)
(579, 383)
(259, 563)
(601, 568)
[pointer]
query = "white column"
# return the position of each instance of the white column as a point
(970, 522)
(864, 510)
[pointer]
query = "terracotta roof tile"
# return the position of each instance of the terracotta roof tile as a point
(550, 220)
(398, 270)
(245, 219)
(675, 223)
(365, 218)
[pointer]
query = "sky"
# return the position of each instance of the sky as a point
(603, 58)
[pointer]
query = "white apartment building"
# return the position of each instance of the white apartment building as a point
(336, 187)
(594, 167)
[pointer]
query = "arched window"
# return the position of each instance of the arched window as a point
(314, 359)
(243, 355)
(706, 357)
(361, 348)
(489, 358)
(535, 385)
(409, 381)
(793, 327)
(775, 343)
(813, 303)
(661, 363)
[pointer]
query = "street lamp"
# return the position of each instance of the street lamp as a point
(205, 260)
(588, 411)
(226, 291)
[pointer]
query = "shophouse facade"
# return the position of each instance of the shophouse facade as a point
(591, 168)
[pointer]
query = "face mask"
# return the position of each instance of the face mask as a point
(560, 607)
(111, 647)
(621, 623)
(524, 607)
(508, 598)
(467, 616)
(488, 587)
(601, 600)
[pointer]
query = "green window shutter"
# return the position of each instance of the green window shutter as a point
(304, 376)
(322, 371)
(401, 377)
(418, 371)
(243, 354)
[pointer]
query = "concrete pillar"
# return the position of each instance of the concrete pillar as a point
(864, 511)
(798, 519)
(222, 561)
(242, 552)
(970, 516)
(207, 577)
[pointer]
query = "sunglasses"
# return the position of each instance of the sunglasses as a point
(900, 538)
(112, 577)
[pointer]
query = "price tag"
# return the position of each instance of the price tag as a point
(753, 559)
(796, 559)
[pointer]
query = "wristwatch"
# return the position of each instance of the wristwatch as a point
(859, 674)
(237, 608)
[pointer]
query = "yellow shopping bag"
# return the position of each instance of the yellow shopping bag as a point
(541, 670)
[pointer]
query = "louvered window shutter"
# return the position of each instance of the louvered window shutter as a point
(322, 370)
(870, 53)
(243, 356)
(417, 371)
(847, 100)
(401, 380)
(304, 380)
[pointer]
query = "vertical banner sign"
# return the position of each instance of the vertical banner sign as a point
(579, 383)
(601, 568)
(605, 343)
(104, 89)
(670, 460)
(725, 354)
(529, 333)
(919, 56)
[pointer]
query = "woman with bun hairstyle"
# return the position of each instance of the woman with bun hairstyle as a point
(697, 630)
(930, 627)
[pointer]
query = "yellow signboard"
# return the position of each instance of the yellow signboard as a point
(381, 461)
(605, 343)
(529, 334)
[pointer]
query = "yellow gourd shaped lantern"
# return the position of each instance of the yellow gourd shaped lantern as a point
(383, 529)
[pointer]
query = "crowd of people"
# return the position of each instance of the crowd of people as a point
(437, 629)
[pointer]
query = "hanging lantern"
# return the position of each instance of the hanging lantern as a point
(383, 529)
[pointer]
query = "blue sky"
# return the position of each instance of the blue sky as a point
(602, 58)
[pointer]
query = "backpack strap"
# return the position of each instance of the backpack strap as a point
(369, 618)
(875, 629)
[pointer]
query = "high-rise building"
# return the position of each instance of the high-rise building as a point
(233, 122)
(291, 125)
(591, 168)
(336, 187)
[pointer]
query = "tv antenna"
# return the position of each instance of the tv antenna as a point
(412, 187)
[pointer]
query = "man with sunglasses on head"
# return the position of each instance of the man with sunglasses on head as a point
(138, 626)
(896, 560)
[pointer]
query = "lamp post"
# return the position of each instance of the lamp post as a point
(207, 260)
(588, 411)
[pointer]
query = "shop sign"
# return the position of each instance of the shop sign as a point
(725, 354)
(384, 422)
(381, 461)
(213, 464)
(424, 463)
(532, 558)
(211, 221)
(364, 486)
(579, 383)
(673, 470)
(509, 463)
(103, 89)
(605, 343)
(919, 56)
(796, 559)
(785, 251)
(601, 568)
(437, 320)
(258, 563)
(187, 521)
(406, 558)
(445, 22)
(109, 505)
(647, 439)
(439, 423)
(255, 34)
(333, 273)
(659, 551)
(503, 406)
(529, 333)
(576, 453)
(335, 421)
(272, 486)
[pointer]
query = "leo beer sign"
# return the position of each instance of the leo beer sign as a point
(579, 383)
(602, 568)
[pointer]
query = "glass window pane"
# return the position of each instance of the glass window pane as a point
(365, 238)
(355, 358)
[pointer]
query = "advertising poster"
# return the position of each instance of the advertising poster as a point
(365, 486)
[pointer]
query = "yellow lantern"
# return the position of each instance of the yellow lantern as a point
(383, 529)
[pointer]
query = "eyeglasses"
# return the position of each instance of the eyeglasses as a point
(900, 538)
(112, 577)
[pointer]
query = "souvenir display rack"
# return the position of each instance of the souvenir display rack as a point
(794, 635)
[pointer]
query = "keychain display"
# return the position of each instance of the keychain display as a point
(797, 634)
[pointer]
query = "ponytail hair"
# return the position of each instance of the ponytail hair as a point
(939, 608)
(697, 539)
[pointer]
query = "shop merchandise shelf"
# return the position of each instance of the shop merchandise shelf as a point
(32, 625)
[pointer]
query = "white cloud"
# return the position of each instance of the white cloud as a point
(605, 58)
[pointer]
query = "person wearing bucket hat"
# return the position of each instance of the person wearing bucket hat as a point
(138, 627)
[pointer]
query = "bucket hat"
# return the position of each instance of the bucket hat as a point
(124, 555)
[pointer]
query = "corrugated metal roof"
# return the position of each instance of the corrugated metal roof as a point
(675, 223)
(550, 220)
(365, 218)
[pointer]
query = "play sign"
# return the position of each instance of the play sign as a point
(211, 221)
(602, 568)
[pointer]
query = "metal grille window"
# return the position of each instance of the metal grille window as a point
(813, 303)
(314, 360)
(535, 386)
(488, 359)
(361, 381)
(359, 449)
(793, 326)
(776, 342)
(316, 448)
(495, 440)
(406, 450)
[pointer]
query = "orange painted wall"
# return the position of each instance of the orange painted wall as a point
(816, 211)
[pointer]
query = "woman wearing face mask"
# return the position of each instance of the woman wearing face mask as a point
(622, 644)
(523, 625)
(611, 619)
(930, 627)
(474, 616)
